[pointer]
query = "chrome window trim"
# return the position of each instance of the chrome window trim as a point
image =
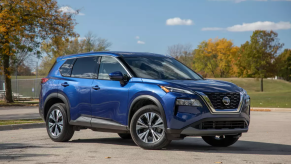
(101, 55)
(207, 101)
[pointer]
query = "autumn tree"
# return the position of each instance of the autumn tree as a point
(183, 53)
(57, 47)
(283, 65)
(34, 20)
(215, 57)
(255, 58)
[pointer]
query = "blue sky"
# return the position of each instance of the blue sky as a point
(121, 21)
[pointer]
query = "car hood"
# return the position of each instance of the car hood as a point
(205, 85)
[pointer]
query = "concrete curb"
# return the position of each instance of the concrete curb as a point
(21, 126)
(271, 109)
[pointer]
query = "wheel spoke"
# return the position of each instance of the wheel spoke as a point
(144, 136)
(147, 117)
(52, 116)
(51, 128)
(61, 127)
(156, 136)
(56, 130)
(59, 114)
(151, 118)
(158, 121)
(140, 121)
(161, 126)
(51, 124)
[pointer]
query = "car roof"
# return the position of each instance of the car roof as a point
(113, 53)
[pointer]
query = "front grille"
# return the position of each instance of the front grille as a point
(222, 125)
(216, 100)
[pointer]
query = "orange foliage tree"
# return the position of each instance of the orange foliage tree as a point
(33, 20)
(216, 57)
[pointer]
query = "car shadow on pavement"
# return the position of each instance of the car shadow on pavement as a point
(6, 150)
(198, 145)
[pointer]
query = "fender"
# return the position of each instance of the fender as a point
(152, 98)
(61, 97)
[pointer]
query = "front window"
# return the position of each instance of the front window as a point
(160, 68)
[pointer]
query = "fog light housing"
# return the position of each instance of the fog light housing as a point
(188, 102)
(248, 102)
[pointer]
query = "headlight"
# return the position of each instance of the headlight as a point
(186, 102)
(171, 89)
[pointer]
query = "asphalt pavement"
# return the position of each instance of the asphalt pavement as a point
(19, 112)
(267, 142)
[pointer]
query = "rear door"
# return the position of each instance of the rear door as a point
(76, 85)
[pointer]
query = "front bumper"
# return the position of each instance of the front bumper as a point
(211, 127)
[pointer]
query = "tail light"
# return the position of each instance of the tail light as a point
(44, 80)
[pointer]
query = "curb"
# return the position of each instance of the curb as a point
(271, 109)
(21, 126)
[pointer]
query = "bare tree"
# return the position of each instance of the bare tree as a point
(94, 43)
(183, 53)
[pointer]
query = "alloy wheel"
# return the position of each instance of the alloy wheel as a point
(150, 127)
(55, 122)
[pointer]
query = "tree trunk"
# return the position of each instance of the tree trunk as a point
(262, 87)
(7, 76)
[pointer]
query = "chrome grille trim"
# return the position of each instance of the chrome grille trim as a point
(207, 101)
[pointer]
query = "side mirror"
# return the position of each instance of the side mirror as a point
(116, 76)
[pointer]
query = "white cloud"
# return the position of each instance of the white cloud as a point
(137, 37)
(67, 9)
(260, 26)
(253, 26)
(178, 21)
(212, 29)
(140, 42)
(81, 38)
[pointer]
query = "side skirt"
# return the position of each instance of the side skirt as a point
(99, 124)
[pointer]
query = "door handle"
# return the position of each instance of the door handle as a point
(96, 87)
(65, 84)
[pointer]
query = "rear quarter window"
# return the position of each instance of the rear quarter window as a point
(66, 68)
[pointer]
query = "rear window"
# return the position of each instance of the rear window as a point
(85, 67)
(66, 68)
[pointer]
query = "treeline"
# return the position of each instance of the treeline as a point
(257, 58)
(58, 46)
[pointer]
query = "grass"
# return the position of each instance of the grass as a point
(277, 93)
(17, 103)
(26, 77)
(13, 122)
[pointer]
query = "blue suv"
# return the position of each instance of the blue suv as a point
(148, 97)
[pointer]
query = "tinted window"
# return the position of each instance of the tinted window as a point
(66, 68)
(85, 67)
(109, 65)
(160, 68)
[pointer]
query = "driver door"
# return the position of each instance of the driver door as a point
(109, 98)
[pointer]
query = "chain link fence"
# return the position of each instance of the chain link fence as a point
(23, 88)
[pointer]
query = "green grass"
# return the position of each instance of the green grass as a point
(277, 93)
(26, 77)
(13, 122)
(18, 103)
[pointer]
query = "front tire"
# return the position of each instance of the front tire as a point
(147, 128)
(58, 128)
(220, 141)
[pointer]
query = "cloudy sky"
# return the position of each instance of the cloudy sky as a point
(153, 25)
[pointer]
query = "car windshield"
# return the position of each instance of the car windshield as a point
(160, 68)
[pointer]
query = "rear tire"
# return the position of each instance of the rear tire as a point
(125, 136)
(220, 141)
(58, 128)
(147, 128)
